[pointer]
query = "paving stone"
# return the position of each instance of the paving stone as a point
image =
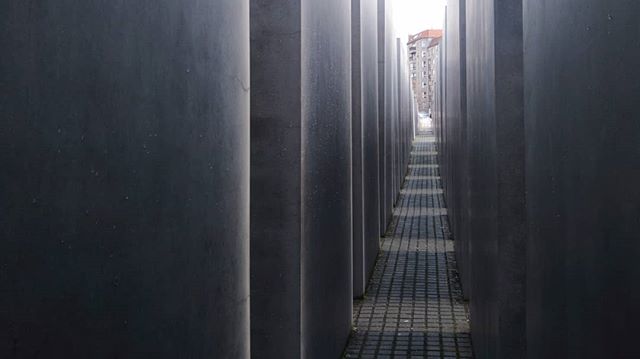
(413, 306)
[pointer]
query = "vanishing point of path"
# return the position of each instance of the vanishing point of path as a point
(413, 307)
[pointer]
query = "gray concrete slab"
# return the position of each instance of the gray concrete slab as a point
(497, 219)
(391, 110)
(365, 106)
(357, 152)
(555, 125)
(124, 190)
(326, 186)
(400, 113)
(276, 177)
(582, 160)
(370, 115)
(455, 151)
(301, 178)
(383, 25)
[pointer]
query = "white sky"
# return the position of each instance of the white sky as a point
(413, 16)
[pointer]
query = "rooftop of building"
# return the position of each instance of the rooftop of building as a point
(433, 34)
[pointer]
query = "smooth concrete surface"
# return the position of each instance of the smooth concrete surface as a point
(390, 122)
(440, 101)
(400, 112)
(549, 154)
(359, 280)
(402, 124)
(370, 133)
(383, 26)
(582, 175)
(455, 154)
(391, 116)
(406, 113)
(366, 203)
(326, 265)
(276, 202)
(301, 237)
(497, 220)
(125, 182)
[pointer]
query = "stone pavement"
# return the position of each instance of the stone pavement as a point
(413, 307)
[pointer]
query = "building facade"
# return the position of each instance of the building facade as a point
(423, 58)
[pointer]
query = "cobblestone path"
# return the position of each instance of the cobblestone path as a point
(414, 307)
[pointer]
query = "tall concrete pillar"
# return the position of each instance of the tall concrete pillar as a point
(125, 156)
(399, 95)
(414, 123)
(441, 93)
(456, 152)
(382, 111)
(371, 147)
(391, 117)
(276, 179)
(326, 187)
(301, 233)
(359, 281)
(404, 110)
(582, 161)
(365, 122)
(497, 220)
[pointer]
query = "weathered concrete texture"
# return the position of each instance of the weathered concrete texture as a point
(495, 158)
(326, 265)
(276, 204)
(125, 179)
(365, 118)
(582, 161)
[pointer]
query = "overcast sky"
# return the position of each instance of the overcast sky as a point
(413, 16)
